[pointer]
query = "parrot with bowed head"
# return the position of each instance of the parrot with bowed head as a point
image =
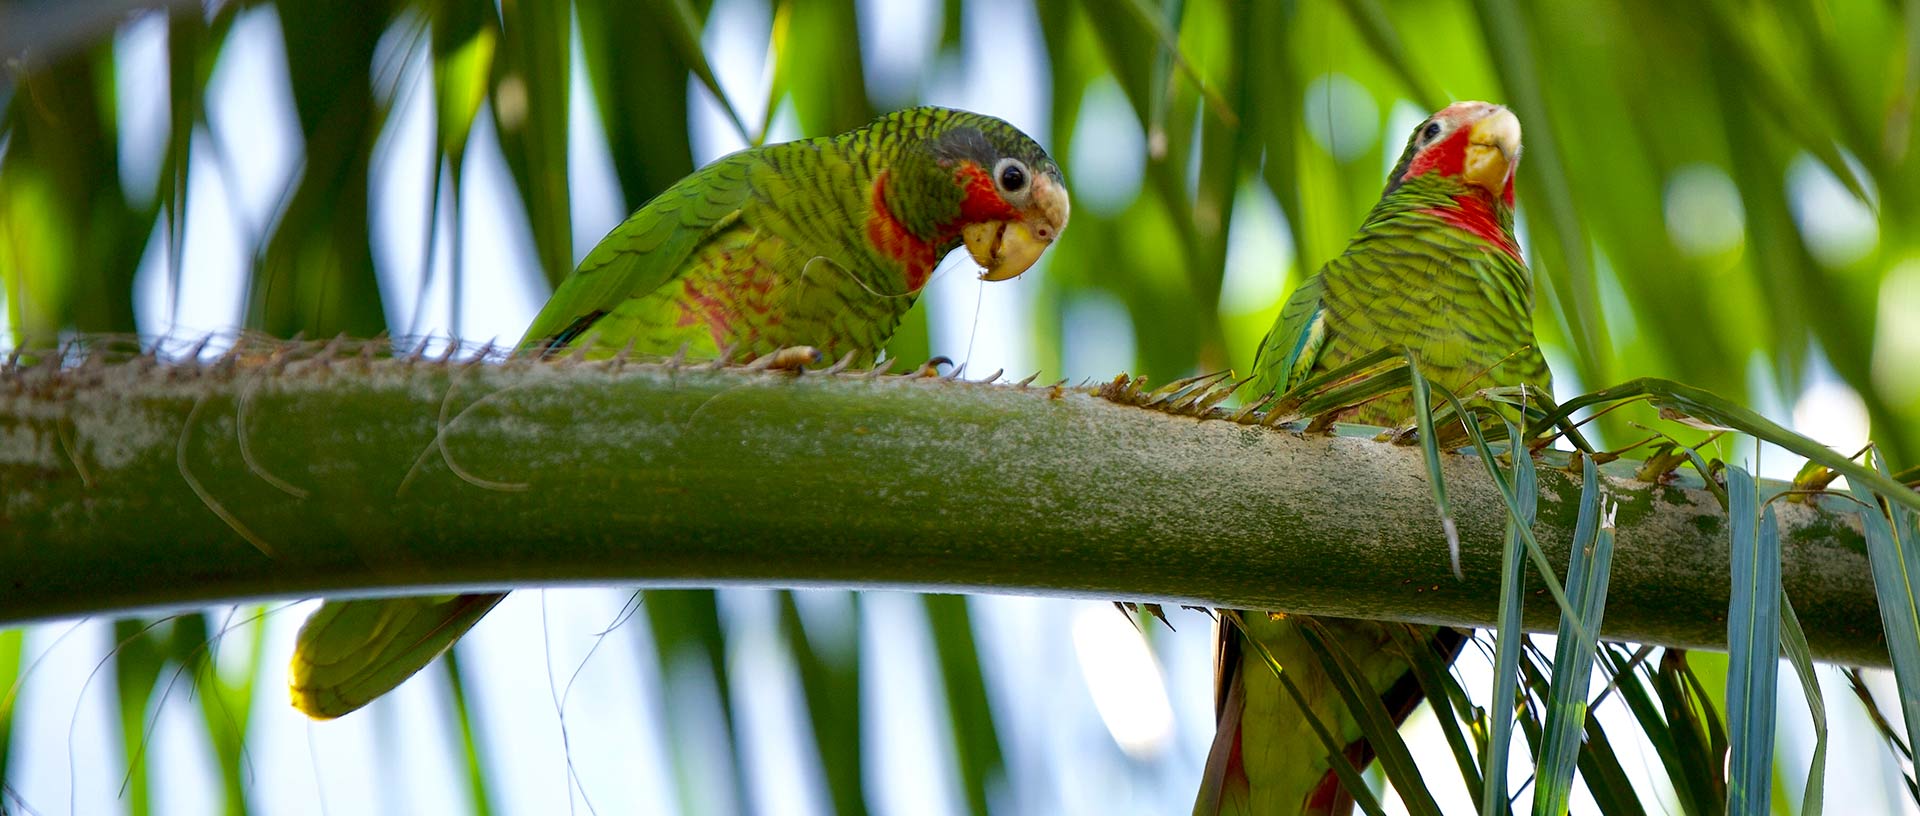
(1435, 269)
(820, 242)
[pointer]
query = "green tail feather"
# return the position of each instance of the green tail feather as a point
(351, 652)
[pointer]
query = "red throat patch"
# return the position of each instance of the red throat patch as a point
(1474, 213)
(895, 241)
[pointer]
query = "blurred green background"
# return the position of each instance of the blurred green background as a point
(1721, 193)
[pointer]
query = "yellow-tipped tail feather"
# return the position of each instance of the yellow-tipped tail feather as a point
(351, 652)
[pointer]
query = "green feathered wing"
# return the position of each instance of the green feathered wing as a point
(1410, 279)
(759, 251)
(645, 253)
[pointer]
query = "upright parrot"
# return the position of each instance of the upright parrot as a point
(1435, 269)
(820, 242)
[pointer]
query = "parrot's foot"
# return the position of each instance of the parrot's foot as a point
(791, 358)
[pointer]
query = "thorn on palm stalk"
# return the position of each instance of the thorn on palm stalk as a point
(1603, 457)
(1176, 388)
(842, 364)
(96, 356)
(619, 361)
(580, 349)
(1249, 413)
(225, 362)
(1131, 610)
(1275, 418)
(1115, 390)
(479, 358)
(1204, 403)
(1193, 390)
(201, 345)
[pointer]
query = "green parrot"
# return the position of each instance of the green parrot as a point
(820, 242)
(1435, 269)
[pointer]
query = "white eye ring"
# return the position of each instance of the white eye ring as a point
(1011, 175)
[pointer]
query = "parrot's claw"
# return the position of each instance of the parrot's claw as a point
(931, 368)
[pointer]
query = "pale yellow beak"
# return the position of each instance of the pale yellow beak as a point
(1493, 151)
(1004, 249)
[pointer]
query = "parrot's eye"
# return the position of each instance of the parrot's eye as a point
(1430, 132)
(1012, 175)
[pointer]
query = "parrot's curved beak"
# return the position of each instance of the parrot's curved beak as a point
(1004, 249)
(1493, 151)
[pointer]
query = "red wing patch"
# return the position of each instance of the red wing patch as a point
(700, 307)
